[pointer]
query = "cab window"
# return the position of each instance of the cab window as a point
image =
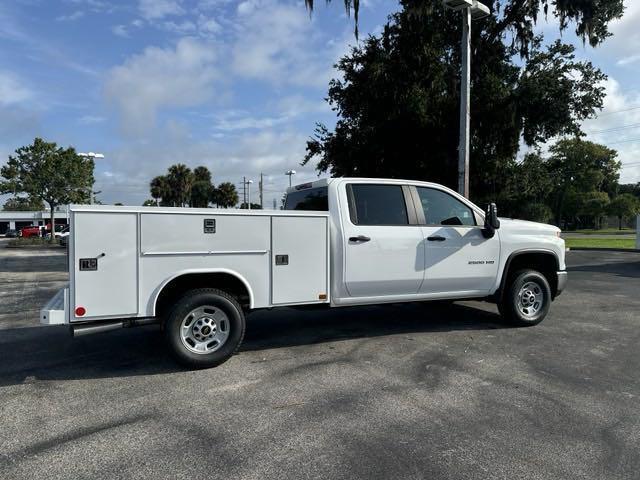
(440, 208)
(377, 205)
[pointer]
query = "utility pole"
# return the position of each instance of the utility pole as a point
(261, 185)
(290, 173)
(244, 190)
(471, 10)
(465, 118)
(249, 182)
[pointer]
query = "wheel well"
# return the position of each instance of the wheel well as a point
(180, 285)
(544, 262)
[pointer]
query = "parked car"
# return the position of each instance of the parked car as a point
(11, 233)
(32, 231)
(339, 242)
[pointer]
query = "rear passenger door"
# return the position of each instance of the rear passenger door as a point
(383, 245)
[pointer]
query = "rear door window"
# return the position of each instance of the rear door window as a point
(377, 205)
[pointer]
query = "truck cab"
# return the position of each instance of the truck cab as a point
(337, 242)
(399, 240)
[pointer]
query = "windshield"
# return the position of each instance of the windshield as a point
(311, 199)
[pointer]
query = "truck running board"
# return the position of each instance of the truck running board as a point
(99, 327)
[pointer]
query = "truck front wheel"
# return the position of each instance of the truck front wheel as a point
(526, 298)
(204, 328)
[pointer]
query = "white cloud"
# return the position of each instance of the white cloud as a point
(270, 152)
(162, 78)
(618, 126)
(120, 31)
(12, 90)
(155, 9)
(90, 119)
(281, 47)
(71, 17)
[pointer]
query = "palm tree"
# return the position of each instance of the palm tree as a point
(159, 188)
(180, 179)
(202, 188)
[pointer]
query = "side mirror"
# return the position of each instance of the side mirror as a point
(491, 221)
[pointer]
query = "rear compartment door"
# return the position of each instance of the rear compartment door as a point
(299, 260)
(105, 264)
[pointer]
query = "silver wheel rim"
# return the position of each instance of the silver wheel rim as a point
(530, 299)
(204, 329)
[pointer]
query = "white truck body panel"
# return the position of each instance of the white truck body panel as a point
(140, 250)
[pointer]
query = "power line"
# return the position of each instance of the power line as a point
(618, 111)
(615, 129)
(624, 141)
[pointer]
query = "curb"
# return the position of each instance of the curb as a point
(602, 249)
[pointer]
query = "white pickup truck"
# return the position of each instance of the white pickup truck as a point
(338, 242)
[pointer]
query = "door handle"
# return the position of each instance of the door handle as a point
(359, 238)
(436, 238)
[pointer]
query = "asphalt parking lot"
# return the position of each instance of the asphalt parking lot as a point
(400, 391)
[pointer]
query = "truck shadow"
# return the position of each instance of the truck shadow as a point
(32, 354)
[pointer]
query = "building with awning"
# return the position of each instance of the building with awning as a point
(10, 220)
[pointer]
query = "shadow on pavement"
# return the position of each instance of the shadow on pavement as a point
(49, 353)
(40, 264)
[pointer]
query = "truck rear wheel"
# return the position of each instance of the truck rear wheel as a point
(204, 328)
(526, 298)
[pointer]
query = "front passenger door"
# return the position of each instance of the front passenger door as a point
(458, 259)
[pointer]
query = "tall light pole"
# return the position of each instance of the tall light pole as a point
(93, 156)
(248, 185)
(471, 10)
(290, 173)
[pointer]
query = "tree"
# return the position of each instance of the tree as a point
(118, 204)
(591, 17)
(594, 205)
(159, 187)
(23, 204)
(225, 195)
(624, 205)
(180, 181)
(50, 173)
(150, 203)
(632, 188)
(398, 95)
(202, 188)
(254, 206)
(581, 167)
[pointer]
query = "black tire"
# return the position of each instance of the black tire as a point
(216, 300)
(513, 309)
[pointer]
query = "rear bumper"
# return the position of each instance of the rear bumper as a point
(55, 311)
(562, 282)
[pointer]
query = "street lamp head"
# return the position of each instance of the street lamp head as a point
(290, 172)
(457, 4)
(479, 10)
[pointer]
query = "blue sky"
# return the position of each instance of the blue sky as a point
(233, 85)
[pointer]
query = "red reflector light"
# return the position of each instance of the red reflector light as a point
(80, 311)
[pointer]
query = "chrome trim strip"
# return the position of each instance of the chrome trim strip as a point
(208, 252)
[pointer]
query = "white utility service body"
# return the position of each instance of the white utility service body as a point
(341, 241)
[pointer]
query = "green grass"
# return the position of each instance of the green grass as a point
(604, 231)
(600, 242)
(20, 242)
